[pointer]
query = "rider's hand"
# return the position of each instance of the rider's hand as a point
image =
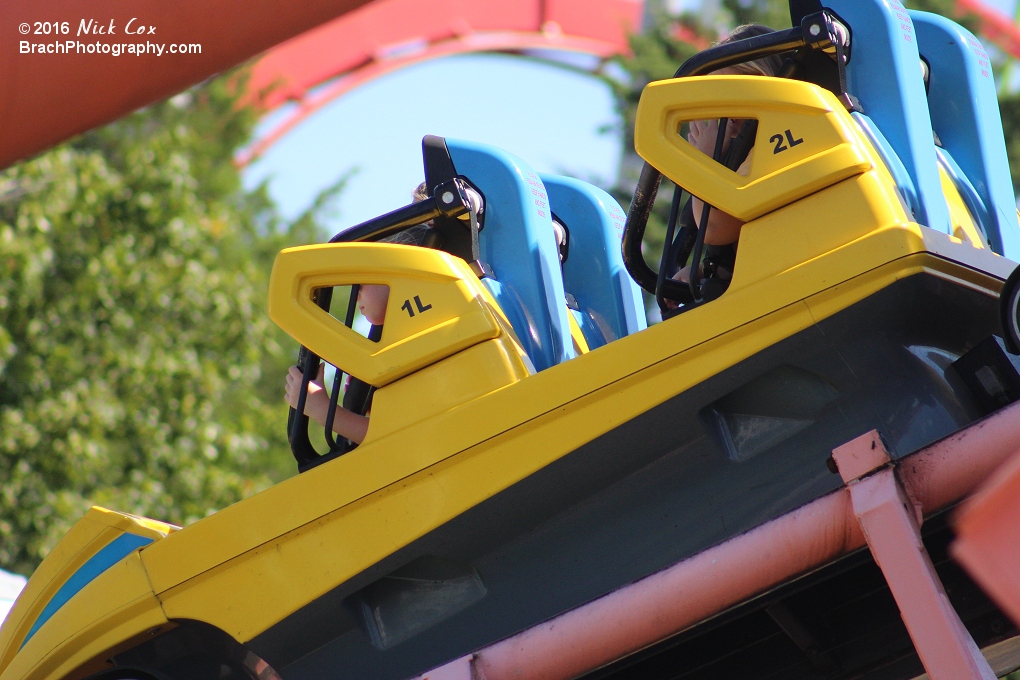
(702, 135)
(317, 400)
(683, 276)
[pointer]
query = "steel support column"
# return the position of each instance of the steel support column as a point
(891, 523)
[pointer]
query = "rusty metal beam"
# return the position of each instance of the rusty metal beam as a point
(891, 522)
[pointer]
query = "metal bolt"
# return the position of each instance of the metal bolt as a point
(447, 197)
(814, 29)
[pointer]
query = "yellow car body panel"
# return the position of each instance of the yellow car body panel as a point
(121, 611)
(577, 336)
(431, 479)
(806, 140)
(964, 227)
(123, 589)
(443, 386)
(436, 306)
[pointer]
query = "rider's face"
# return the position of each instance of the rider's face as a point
(372, 299)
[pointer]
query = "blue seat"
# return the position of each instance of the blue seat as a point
(518, 243)
(965, 115)
(884, 76)
(609, 303)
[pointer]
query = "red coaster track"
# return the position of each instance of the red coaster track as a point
(52, 96)
(390, 34)
(995, 26)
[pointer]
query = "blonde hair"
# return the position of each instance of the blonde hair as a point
(419, 233)
(766, 66)
(412, 236)
(420, 193)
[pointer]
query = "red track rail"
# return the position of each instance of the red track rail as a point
(995, 26)
(388, 30)
(48, 98)
(390, 34)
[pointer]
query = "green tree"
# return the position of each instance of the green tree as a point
(138, 367)
(773, 13)
(1009, 109)
(656, 53)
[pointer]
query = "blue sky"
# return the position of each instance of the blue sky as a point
(550, 116)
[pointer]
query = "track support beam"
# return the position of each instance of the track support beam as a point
(891, 522)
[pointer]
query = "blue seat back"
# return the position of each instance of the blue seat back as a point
(904, 183)
(608, 299)
(518, 242)
(965, 115)
(883, 75)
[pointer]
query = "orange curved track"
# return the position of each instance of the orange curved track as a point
(388, 30)
(390, 34)
(995, 26)
(47, 98)
(316, 68)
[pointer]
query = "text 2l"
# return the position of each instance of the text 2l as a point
(778, 141)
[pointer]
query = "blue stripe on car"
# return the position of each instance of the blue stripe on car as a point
(96, 565)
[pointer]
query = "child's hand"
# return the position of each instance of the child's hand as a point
(345, 423)
(702, 135)
(683, 276)
(317, 401)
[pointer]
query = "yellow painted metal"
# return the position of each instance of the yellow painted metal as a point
(964, 226)
(430, 482)
(779, 241)
(399, 487)
(115, 609)
(436, 307)
(443, 386)
(303, 537)
(102, 598)
(405, 481)
(577, 335)
(97, 529)
(806, 140)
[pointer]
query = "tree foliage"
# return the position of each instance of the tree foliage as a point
(138, 368)
(772, 13)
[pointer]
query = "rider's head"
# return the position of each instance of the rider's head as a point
(766, 66)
